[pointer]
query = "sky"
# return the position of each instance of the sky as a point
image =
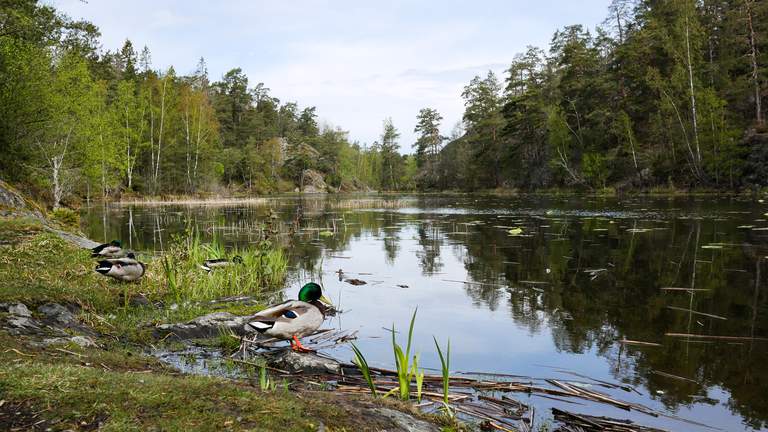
(357, 61)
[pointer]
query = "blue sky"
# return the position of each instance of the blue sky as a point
(357, 61)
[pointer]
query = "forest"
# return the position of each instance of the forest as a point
(662, 95)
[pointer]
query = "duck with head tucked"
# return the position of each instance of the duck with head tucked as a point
(113, 249)
(126, 269)
(293, 319)
(215, 263)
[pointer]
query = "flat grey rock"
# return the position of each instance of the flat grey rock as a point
(405, 422)
(205, 326)
(57, 314)
(18, 309)
(308, 363)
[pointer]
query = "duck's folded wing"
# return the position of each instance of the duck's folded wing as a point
(275, 311)
(284, 312)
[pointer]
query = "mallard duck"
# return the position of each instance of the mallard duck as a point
(294, 318)
(211, 264)
(113, 249)
(126, 269)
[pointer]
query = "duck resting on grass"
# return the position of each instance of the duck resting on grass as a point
(293, 319)
(211, 264)
(126, 269)
(113, 249)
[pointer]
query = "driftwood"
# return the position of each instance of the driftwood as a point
(716, 337)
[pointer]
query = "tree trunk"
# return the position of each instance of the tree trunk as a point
(160, 136)
(189, 145)
(753, 59)
(58, 189)
(693, 94)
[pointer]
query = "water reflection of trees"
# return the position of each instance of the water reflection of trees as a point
(589, 281)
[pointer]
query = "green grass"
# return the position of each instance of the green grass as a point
(118, 385)
(362, 364)
(445, 369)
(407, 369)
(181, 278)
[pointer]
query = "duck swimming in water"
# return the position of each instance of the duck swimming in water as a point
(293, 319)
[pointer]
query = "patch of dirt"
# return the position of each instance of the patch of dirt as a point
(21, 417)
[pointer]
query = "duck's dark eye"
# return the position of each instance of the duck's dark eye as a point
(290, 314)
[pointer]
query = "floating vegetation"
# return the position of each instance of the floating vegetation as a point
(325, 233)
(515, 231)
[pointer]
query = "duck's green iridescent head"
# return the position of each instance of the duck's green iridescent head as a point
(312, 292)
(116, 243)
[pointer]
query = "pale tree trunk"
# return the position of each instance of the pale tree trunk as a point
(189, 145)
(753, 59)
(693, 94)
(103, 168)
(129, 168)
(56, 165)
(151, 135)
(197, 143)
(58, 187)
(694, 164)
(160, 135)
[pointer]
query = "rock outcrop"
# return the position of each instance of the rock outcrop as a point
(314, 182)
(204, 327)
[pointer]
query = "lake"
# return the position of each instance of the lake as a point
(535, 286)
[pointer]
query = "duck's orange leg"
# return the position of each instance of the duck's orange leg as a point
(298, 347)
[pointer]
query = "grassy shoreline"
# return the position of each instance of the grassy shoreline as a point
(116, 385)
(240, 199)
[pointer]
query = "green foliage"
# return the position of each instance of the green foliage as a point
(445, 369)
(362, 364)
(407, 368)
(67, 217)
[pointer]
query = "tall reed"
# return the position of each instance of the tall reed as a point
(445, 367)
(264, 266)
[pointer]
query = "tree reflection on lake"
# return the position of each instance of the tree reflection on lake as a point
(581, 275)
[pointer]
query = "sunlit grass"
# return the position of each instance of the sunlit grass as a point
(182, 278)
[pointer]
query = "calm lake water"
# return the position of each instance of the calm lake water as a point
(583, 274)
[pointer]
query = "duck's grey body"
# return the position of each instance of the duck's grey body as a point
(123, 269)
(289, 319)
(211, 264)
(108, 250)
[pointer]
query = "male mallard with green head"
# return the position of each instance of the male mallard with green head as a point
(113, 249)
(293, 319)
(124, 269)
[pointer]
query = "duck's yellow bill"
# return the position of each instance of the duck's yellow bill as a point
(325, 300)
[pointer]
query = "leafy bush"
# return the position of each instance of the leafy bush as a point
(66, 217)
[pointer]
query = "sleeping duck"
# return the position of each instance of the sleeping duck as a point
(126, 269)
(294, 318)
(211, 264)
(113, 249)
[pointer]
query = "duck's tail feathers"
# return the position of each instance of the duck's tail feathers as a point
(104, 267)
(261, 326)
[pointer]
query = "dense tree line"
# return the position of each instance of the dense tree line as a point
(79, 121)
(663, 93)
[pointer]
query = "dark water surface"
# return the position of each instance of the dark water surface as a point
(584, 274)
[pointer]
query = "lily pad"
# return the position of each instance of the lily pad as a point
(515, 231)
(326, 233)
